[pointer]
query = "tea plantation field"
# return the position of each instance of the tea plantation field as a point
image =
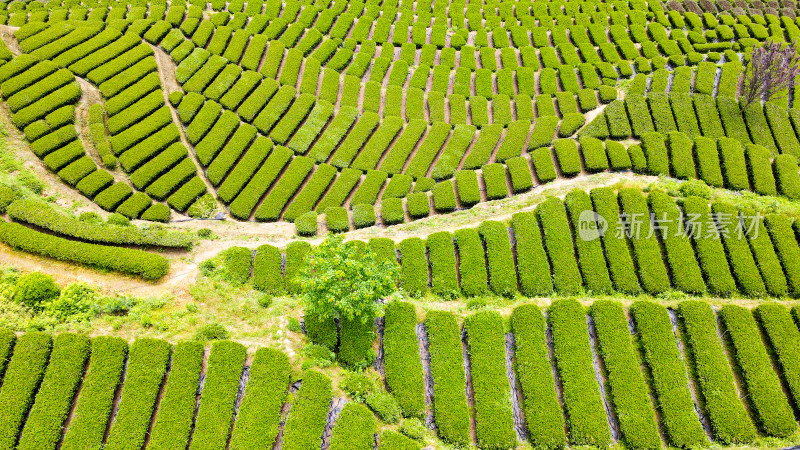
(589, 239)
(528, 385)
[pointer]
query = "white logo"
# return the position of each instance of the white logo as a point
(591, 225)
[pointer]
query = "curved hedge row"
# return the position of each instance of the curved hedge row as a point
(43, 215)
(129, 261)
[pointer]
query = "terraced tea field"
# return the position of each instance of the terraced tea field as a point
(395, 224)
(568, 371)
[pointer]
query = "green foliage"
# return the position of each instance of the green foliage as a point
(768, 401)
(173, 423)
(502, 273)
(46, 216)
(413, 267)
(626, 384)
(354, 428)
(472, 262)
(723, 407)
(93, 407)
(145, 371)
(667, 375)
(646, 250)
(584, 408)
(23, 374)
(306, 420)
(558, 243)
(328, 286)
(56, 392)
(392, 440)
(355, 344)
(357, 385)
(590, 252)
(215, 415)
(450, 410)
(36, 289)
(486, 346)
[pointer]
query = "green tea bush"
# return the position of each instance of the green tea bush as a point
(768, 401)
(35, 289)
(558, 243)
(145, 371)
(404, 377)
(441, 251)
(413, 267)
(306, 422)
(129, 261)
(725, 411)
(588, 424)
(626, 384)
(450, 410)
(93, 407)
(668, 374)
(23, 373)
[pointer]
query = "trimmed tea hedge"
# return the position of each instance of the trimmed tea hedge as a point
(591, 260)
(355, 428)
(652, 271)
(96, 400)
(494, 419)
(175, 417)
(769, 403)
(267, 276)
(53, 400)
(667, 375)
(24, 373)
(306, 420)
(129, 261)
(144, 374)
(686, 273)
(783, 337)
(45, 216)
(500, 260)
(543, 414)
(626, 383)
(441, 251)
(413, 267)
(533, 266)
(450, 408)
(724, 409)
(472, 262)
(402, 364)
(588, 424)
(258, 418)
(220, 387)
(558, 243)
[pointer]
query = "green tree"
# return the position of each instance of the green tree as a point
(345, 280)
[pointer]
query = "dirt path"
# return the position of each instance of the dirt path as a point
(7, 35)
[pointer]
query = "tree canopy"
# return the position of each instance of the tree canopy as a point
(345, 280)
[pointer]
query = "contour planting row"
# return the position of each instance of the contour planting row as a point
(138, 122)
(148, 391)
(701, 115)
(651, 244)
(349, 44)
(555, 369)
